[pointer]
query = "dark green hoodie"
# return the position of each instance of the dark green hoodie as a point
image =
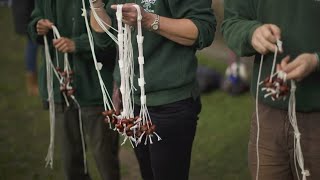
(66, 16)
(170, 68)
(299, 23)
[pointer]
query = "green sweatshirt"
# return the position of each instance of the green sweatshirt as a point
(299, 23)
(170, 68)
(66, 16)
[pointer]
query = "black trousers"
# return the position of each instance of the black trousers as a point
(169, 159)
(102, 140)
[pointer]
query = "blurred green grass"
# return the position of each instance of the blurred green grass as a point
(219, 151)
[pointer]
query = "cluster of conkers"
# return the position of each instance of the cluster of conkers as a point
(275, 87)
(66, 80)
(131, 127)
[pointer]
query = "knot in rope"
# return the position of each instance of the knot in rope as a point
(305, 173)
(297, 135)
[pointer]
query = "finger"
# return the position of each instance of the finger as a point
(60, 43)
(291, 66)
(260, 48)
(114, 6)
(295, 74)
(128, 8)
(65, 49)
(48, 23)
(268, 36)
(267, 45)
(284, 62)
(275, 31)
(56, 41)
(41, 32)
(62, 47)
(279, 67)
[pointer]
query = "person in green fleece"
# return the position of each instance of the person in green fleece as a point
(66, 16)
(252, 28)
(173, 31)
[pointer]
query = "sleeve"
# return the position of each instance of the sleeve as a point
(200, 13)
(82, 43)
(36, 15)
(239, 24)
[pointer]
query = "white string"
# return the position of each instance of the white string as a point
(297, 135)
(101, 23)
(125, 65)
(144, 114)
(107, 101)
(258, 119)
(50, 154)
(67, 69)
(298, 155)
(257, 101)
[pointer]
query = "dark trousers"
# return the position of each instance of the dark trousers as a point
(102, 140)
(276, 144)
(169, 159)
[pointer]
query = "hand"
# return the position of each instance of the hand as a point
(64, 45)
(43, 26)
(300, 67)
(129, 15)
(265, 37)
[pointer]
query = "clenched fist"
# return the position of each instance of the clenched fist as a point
(265, 37)
(43, 26)
(64, 45)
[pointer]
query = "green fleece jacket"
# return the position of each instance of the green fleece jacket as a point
(66, 16)
(299, 23)
(170, 68)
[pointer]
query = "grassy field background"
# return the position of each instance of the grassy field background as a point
(220, 147)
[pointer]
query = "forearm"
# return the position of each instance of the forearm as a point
(101, 12)
(181, 31)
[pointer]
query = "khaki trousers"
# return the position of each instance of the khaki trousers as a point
(276, 145)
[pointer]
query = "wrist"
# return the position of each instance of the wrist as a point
(148, 20)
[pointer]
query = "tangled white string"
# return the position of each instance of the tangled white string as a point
(64, 79)
(275, 92)
(132, 128)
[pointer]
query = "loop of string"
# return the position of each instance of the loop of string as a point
(144, 114)
(126, 67)
(50, 70)
(107, 100)
(298, 156)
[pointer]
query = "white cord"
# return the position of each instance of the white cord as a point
(107, 101)
(50, 69)
(279, 45)
(144, 114)
(50, 154)
(101, 23)
(298, 155)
